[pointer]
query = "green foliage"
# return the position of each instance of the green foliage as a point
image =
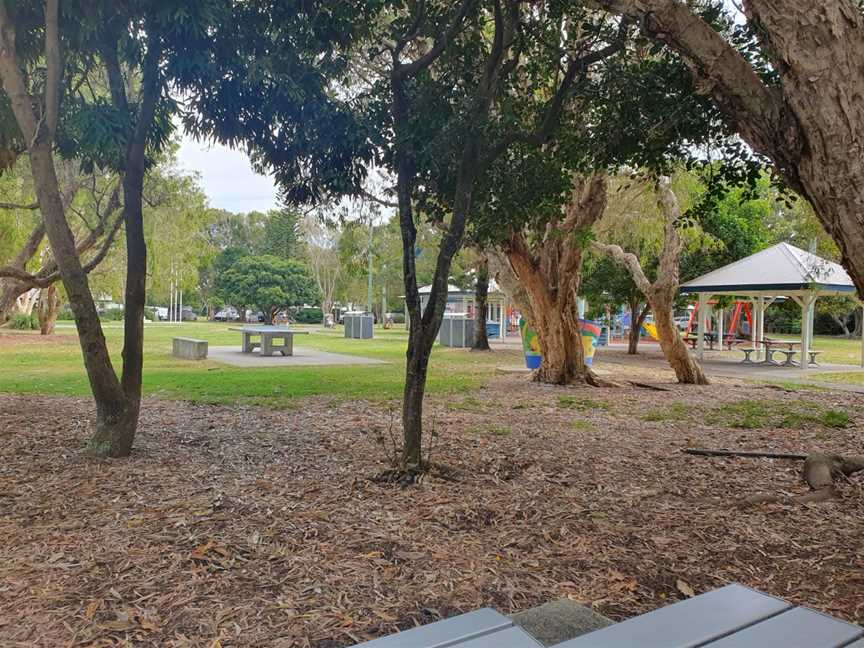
(757, 414)
(268, 283)
(581, 404)
(23, 322)
(309, 316)
(112, 315)
(281, 236)
(676, 411)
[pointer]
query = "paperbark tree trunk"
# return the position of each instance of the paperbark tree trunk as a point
(481, 293)
(661, 294)
(549, 268)
(811, 126)
(49, 308)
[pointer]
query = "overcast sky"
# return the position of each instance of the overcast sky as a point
(227, 177)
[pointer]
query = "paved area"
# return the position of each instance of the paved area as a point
(303, 357)
(728, 364)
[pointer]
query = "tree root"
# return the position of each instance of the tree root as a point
(596, 381)
(820, 473)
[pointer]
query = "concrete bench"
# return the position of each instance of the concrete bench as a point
(189, 348)
(730, 617)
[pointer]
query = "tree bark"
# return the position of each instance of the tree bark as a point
(638, 313)
(812, 125)
(49, 308)
(481, 293)
(549, 268)
(661, 294)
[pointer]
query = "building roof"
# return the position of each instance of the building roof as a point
(780, 269)
(455, 290)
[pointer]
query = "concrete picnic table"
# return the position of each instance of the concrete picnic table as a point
(733, 616)
(267, 334)
(786, 347)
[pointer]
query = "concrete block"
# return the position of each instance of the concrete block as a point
(189, 348)
(557, 621)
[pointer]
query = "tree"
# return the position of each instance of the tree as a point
(322, 257)
(662, 291)
(481, 293)
(281, 234)
(604, 282)
(794, 101)
(269, 283)
(102, 69)
(549, 268)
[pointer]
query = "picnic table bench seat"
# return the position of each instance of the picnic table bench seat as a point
(733, 616)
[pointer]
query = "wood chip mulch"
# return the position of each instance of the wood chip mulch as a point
(238, 526)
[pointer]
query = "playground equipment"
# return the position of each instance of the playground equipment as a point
(736, 324)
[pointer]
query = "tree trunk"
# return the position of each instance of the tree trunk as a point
(687, 370)
(10, 288)
(481, 292)
(661, 293)
(549, 269)
(638, 313)
(110, 401)
(49, 309)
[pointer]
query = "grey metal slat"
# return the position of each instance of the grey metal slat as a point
(796, 628)
(514, 637)
(449, 632)
(857, 644)
(687, 624)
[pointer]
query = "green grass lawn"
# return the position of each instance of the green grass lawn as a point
(33, 364)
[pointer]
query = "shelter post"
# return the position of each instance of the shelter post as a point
(700, 326)
(720, 335)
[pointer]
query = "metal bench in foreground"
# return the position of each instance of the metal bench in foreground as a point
(730, 617)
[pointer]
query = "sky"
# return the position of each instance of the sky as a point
(227, 177)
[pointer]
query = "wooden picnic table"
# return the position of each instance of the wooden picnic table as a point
(266, 335)
(730, 617)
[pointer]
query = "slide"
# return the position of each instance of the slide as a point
(650, 329)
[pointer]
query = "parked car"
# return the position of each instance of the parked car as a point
(227, 315)
(682, 321)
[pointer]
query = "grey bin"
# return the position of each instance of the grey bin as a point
(457, 332)
(358, 326)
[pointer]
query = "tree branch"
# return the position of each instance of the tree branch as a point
(544, 129)
(31, 206)
(407, 70)
(54, 70)
(628, 260)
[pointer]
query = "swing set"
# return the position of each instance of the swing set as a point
(731, 336)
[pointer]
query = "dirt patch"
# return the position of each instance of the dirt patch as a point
(251, 527)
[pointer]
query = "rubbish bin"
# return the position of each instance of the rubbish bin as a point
(358, 325)
(457, 330)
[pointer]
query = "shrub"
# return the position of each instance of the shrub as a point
(309, 316)
(112, 315)
(66, 314)
(24, 322)
(151, 315)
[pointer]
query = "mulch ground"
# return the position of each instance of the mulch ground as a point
(234, 526)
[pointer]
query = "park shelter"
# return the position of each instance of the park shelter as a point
(461, 303)
(779, 271)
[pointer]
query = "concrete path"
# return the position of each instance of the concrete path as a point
(303, 357)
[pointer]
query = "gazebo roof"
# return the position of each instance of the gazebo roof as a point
(781, 269)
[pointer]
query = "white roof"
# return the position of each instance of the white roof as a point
(779, 269)
(425, 290)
